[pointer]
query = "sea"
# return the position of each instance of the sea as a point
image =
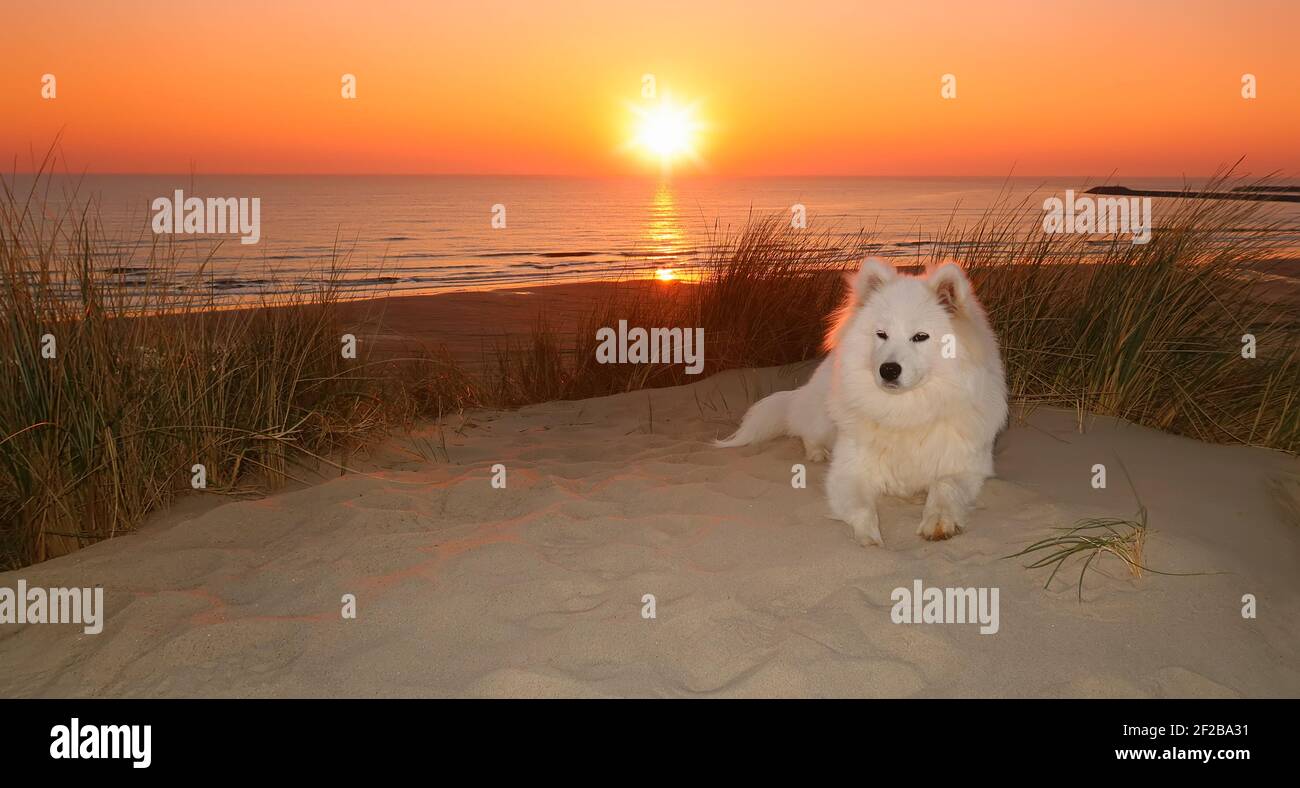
(394, 235)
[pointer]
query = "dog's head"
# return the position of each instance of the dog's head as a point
(903, 329)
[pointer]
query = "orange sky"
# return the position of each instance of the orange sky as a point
(791, 87)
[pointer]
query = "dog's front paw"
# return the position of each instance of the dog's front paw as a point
(937, 527)
(814, 451)
(866, 530)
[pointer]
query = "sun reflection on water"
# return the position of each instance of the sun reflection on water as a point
(664, 240)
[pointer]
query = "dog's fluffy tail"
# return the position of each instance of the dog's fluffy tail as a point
(765, 419)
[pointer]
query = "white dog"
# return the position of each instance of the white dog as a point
(911, 397)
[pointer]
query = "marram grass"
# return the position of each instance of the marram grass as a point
(1089, 540)
(112, 395)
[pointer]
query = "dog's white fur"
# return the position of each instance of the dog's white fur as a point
(931, 429)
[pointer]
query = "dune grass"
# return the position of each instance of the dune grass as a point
(113, 394)
(1090, 540)
(761, 294)
(1151, 333)
(149, 381)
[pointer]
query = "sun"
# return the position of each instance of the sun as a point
(666, 132)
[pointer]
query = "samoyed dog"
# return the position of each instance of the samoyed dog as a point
(908, 400)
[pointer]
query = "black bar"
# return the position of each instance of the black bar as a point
(210, 738)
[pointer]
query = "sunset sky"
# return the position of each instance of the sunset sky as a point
(781, 88)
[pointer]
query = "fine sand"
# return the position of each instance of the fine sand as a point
(470, 325)
(537, 589)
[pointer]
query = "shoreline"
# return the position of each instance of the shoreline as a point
(468, 324)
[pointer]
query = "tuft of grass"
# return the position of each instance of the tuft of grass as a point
(1091, 539)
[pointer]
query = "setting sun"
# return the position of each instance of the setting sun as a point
(667, 132)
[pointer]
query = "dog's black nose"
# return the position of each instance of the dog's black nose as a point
(890, 371)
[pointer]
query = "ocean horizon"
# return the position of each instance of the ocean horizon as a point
(416, 234)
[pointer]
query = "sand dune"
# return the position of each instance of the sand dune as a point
(537, 589)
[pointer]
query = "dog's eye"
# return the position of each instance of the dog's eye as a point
(882, 335)
(920, 336)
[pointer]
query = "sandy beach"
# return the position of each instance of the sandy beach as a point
(538, 589)
(471, 324)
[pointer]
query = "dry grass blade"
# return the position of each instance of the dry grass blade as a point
(1091, 539)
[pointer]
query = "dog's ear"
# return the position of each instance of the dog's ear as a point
(874, 273)
(951, 287)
